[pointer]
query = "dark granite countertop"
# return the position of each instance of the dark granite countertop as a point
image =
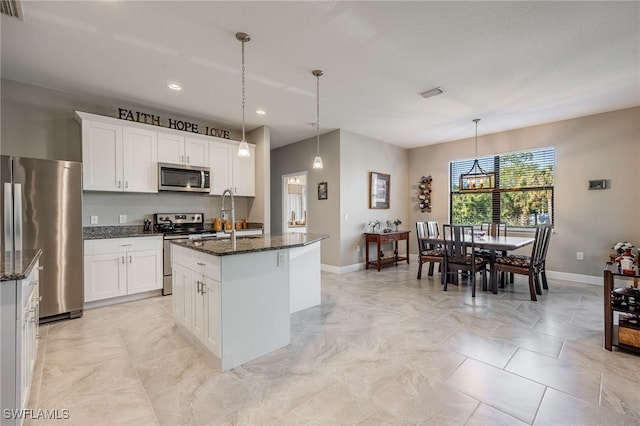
(125, 231)
(219, 247)
(18, 267)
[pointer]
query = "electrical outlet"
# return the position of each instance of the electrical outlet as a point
(579, 255)
(346, 217)
(358, 248)
(94, 220)
(123, 218)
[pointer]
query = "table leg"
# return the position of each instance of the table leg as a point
(493, 273)
(366, 258)
(608, 313)
(408, 250)
(379, 259)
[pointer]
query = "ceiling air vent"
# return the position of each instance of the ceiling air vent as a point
(11, 8)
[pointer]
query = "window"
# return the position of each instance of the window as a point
(523, 195)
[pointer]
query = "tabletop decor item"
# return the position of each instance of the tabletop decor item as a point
(374, 225)
(625, 260)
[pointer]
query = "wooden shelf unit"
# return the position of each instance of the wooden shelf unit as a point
(382, 238)
(631, 332)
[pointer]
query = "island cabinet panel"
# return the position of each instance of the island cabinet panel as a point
(234, 307)
(304, 277)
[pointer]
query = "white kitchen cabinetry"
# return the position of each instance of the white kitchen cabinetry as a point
(244, 173)
(19, 332)
(221, 161)
(231, 171)
(196, 297)
(121, 266)
(177, 149)
(116, 157)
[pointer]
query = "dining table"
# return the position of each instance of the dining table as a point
(494, 245)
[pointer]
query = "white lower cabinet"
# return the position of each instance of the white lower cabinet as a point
(121, 266)
(196, 297)
(19, 333)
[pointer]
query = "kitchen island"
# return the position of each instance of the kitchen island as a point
(234, 299)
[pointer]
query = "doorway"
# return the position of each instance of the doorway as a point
(294, 202)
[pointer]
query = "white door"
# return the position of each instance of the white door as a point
(182, 295)
(144, 271)
(221, 163)
(211, 338)
(101, 156)
(140, 160)
(170, 148)
(199, 308)
(294, 202)
(105, 276)
(196, 152)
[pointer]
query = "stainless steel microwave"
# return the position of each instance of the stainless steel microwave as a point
(178, 177)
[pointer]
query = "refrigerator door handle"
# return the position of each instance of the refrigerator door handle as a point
(8, 216)
(17, 216)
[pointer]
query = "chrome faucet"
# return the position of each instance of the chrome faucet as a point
(232, 210)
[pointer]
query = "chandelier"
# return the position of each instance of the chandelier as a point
(476, 179)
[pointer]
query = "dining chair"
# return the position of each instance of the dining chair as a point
(534, 265)
(460, 255)
(495, 229)
(428, 252)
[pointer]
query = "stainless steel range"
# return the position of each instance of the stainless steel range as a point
(175, 226)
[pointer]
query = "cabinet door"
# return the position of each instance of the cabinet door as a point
(101, 157)
(140, 160)
(211, 337)
(199, 307)
(196, 152)
(105, 276)
(170, 148)
(144, 271)
(221, 162)
(244, 173)
(183, 290)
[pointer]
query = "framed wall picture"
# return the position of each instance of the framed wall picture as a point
(322, 191)
(379, 190)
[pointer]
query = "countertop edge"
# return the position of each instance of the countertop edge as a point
(192, 245)
(26, 271)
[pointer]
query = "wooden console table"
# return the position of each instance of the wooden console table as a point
(381, 238)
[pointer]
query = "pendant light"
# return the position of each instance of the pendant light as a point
(317, 162)
(476, 179)
(243, 148)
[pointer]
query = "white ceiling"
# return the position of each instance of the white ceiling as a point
(513, 64)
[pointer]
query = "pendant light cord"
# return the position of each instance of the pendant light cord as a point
(318, 114)
(476, 120)
(243, 135)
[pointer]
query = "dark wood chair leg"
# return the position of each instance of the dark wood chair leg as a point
(420, 271)
(430, 269)
(543, 275)
(532, 289)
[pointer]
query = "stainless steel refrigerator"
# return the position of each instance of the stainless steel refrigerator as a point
(42, 209)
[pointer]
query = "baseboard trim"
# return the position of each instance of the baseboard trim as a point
(341, 269)
(122, 299)
(578, 278)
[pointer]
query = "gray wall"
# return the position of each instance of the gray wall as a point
(40, 123)
(603, 146)
(348, 158)
(322, 215)
(361, 155)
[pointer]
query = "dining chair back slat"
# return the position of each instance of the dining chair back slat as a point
(460, 255)
(428, 252)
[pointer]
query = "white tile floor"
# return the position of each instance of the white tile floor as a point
(383, 348)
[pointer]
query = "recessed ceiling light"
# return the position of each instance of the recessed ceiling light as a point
(174, 86)
(261, 112)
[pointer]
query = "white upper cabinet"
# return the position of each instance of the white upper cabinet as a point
(176, 149)
(118, 158)
(140, 159)
(196, 151)
(101, 156)
(221, 161)
(244, 172)
(230, 171)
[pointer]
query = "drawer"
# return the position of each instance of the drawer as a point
(119, 245)
(197, 261)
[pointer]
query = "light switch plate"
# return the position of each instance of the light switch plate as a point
(94, 220)
(123, 218)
